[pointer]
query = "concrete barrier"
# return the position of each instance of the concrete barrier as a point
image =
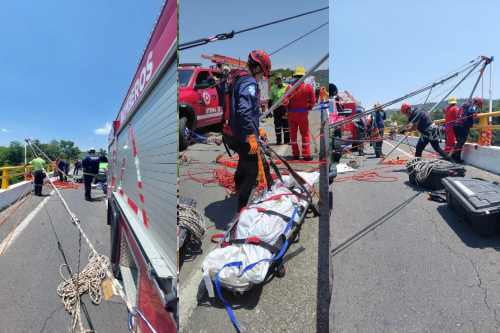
(14, 192)
(17, 191)
(483, 157)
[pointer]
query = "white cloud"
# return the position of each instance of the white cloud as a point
(103, 130)
(4, 130)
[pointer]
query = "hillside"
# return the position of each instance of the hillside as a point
(320, 75)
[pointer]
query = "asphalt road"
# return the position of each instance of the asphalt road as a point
(285, 304)
(29, 267)
(418, 267)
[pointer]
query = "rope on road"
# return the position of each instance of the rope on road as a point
(192, 220)
(116, 285)
(86, 281)
(423, 168)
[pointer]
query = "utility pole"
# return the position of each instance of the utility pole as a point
(490, 91)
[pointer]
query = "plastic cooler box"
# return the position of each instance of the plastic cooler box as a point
(477, 200)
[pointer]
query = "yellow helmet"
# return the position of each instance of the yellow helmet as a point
(452, 100)
(299, 71)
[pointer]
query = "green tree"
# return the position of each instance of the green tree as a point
(15, 154)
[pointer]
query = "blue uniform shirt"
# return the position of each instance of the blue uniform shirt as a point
(421, 119)
(245, 108)
(378, 119)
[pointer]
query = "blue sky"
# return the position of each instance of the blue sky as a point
(384, 49)
(66, 65)
(198, 19)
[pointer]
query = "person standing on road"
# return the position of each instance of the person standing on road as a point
(429, 133)
(280, 114)
(361, 131)
(463, 124)
(243, 130)
(90, 166)
(299, 103)
(78, 166)
(38, 165)
(450, 117)
(378, 120)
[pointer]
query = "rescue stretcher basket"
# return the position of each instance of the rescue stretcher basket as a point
(253, 247)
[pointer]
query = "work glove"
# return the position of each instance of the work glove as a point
(262, 133)
(254, 146)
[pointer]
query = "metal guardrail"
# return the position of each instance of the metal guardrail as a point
(484, 127)
(9, 173)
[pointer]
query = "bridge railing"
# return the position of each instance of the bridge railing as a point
(10, 175)
(484, 127)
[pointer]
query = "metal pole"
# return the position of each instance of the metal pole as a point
(433, 108)
(490, 91)
(456, 86)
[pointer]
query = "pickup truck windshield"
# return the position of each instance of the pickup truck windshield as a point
(185, 76)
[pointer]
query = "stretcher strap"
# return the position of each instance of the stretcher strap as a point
(218, 290)
(238, 264)
(254, 240)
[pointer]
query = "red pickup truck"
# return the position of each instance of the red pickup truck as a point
(199, 104)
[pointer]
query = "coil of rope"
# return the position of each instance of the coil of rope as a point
(192, 220)
(87, 281)
(423, 168)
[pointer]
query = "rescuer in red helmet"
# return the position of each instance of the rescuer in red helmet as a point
(463, 124)
(429, 133)
(243, 131)
(299, 103)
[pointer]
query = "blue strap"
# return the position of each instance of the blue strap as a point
(229, 310)
(198, 137)
(238, 264)
(282, 251)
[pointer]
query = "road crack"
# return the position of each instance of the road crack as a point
(479, 280)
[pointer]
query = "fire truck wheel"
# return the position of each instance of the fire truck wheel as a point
(183, 134)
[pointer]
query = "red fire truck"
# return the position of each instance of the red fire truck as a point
(199, 98)
(142, 191)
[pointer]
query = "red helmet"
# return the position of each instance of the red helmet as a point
(405, 107)
(262, 59)
(478, 101)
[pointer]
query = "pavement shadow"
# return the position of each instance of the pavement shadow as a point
(222, 212)
(466, 232)
(97, 199)
(372, 226)
(247, 300)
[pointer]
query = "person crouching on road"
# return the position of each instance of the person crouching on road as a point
(299, 103)
(463, 124)
(280, 114)
(244, 123)
(429, 133)
(38, 165)
(90, 166)
(450, 117)
(378, 129)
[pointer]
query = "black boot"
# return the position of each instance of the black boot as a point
(456, 157)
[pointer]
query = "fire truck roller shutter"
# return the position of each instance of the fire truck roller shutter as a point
(154, 129)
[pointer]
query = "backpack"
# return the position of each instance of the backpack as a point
(465, 115)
